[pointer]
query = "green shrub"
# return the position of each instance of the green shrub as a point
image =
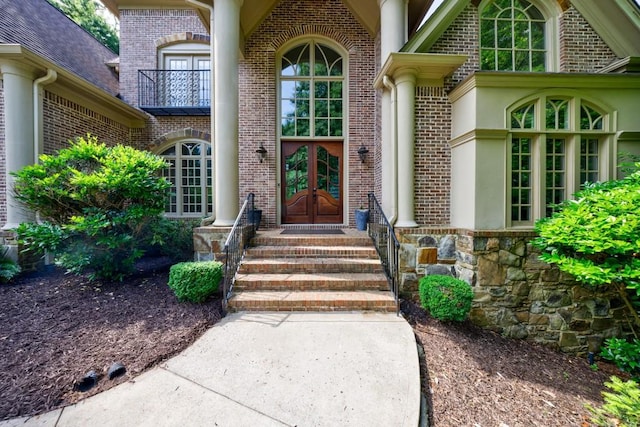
(170, 237)
(595, 237)
(94, 202)
(625, 354)
(8, 268)
(195, 281)
(445, 297)
(621, 407)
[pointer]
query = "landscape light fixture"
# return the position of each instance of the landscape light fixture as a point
(362, 152)
(262, 153)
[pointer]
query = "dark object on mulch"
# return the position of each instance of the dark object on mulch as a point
(115, 370)
(55, 327)
(87, 381)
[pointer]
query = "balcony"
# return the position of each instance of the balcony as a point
(175, 92)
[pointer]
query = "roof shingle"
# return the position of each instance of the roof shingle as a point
(44, 30)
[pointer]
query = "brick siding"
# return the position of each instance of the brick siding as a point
(432, 157)
(290, 19)
(64, 120)
(582, 50)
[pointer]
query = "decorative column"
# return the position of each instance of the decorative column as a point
(226, 46)
(18, 133)
(406, 89)
(393, 35)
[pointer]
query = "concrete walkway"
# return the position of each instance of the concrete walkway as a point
(270, 369)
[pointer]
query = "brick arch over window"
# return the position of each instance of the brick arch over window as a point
(182, 37)
(311, 30)
(177, 135)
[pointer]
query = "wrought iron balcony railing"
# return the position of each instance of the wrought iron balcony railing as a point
(175, 92)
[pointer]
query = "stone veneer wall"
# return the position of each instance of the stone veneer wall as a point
(516, 294)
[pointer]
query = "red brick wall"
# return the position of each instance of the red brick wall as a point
(432, 157)
(461, 38)
(64, 120)
(258, 101)
(581, 48)
(139, 30)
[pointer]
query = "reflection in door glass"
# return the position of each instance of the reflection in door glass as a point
(296, 171)
(328, 172)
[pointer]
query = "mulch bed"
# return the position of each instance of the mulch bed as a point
(54, 328)
(475, 377)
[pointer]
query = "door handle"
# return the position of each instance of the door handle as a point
(314, 193)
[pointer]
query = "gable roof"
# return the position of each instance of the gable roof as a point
(616, 21)
(44, 30)
(253, 12)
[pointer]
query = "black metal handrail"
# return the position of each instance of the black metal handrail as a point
(386, 243)
(174, 91)
(243, 230)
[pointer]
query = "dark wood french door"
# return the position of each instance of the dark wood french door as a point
(312, 182)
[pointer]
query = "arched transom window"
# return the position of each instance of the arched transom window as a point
(190, 175)
(311, 91)
(512, 36)
(557, 145)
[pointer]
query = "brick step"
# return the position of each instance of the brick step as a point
(311, 251)
(309, 282)
(312, 301)
(310, 265)
(311, 240)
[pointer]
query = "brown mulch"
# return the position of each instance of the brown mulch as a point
(54, 328)
(475, 377)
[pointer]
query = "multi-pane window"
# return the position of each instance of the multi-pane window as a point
(512, 37)
(557, 145)
(311, 91)
(190, 175)
(185, 81)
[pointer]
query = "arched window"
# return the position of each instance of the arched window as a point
(512, 37)
(558, 143)
(190, 175)
(311, 91)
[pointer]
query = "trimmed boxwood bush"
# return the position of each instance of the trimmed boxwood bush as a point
(445, 297)
(195, 281)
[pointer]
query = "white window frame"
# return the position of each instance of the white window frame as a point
(551, 11)
(193, 53)
(205, 176)
(572, 139)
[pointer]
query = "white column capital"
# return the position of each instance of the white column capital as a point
(8, 66)
(406, 76)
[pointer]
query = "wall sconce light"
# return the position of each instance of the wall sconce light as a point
(362, 152)
(262, 153)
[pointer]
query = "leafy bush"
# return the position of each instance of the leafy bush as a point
(195, 281)
(621, 407)
(625, 354)
(596, 237)
(445, 297)
(94, 202)
(8, 268)
(170, 237)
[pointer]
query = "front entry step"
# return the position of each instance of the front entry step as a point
(313, 301)
(311, 273)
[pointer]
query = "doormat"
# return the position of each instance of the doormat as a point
(312, 231)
